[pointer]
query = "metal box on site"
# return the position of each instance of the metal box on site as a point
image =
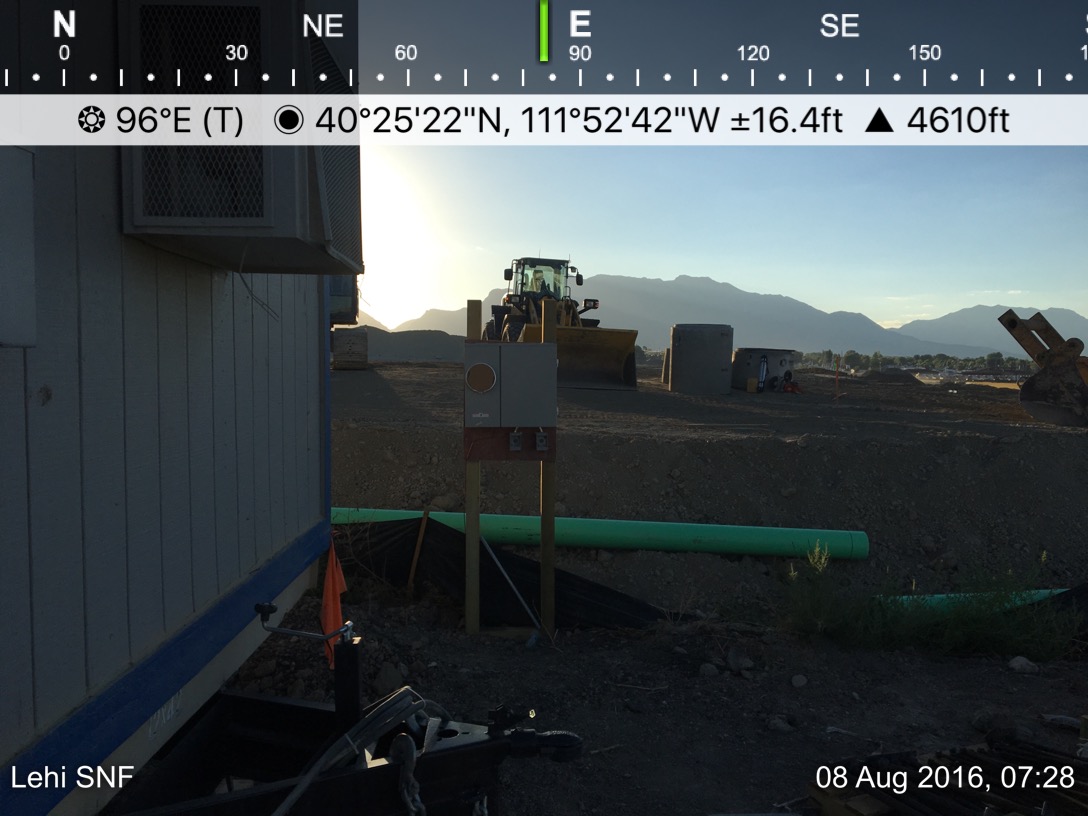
(746, 363)
(510, 385)
(700, 358)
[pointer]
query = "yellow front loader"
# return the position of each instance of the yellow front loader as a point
(589, 356)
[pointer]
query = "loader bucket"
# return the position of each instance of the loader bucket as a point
(1058, 394)
(592, 357)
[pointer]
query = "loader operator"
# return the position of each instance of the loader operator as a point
(543, 282)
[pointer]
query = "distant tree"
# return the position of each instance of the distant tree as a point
(877, 360)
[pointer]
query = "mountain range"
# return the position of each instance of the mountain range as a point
(966, 324)
(653, 306)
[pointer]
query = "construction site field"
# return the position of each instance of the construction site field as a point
(733, 703)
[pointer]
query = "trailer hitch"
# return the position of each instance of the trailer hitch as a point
(559, 746)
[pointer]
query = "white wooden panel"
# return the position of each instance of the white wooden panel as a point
(102, 420)
(226, 460)
(177, 556)
(52, 379)
(275, 414)
(17, 700)
(315, 384)
(261, 457)
(305, 329)
(18, 324)
(201, 427)
(243, 400)
(290, 409)
(146, 623)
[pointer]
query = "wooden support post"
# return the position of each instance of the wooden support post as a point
(547, 506)
(474, 329)
(415, 555)
(472, 506)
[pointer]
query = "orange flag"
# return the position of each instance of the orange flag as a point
(331, 616)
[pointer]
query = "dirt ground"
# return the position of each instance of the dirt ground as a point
(733, 712)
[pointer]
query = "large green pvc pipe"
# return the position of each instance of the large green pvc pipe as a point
(639, 535)
(951, 600)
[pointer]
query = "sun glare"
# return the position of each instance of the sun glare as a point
(401, 243)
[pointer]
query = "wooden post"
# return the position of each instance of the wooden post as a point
(472, 506)
(547, 505)
(475, 320)
(415, 555)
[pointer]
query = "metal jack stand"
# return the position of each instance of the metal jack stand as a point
(347, 671)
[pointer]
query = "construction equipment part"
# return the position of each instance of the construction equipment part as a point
(343, 300)
(247, 754)
(1058, 393)
(589, 356)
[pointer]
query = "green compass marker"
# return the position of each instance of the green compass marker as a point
(542, 27)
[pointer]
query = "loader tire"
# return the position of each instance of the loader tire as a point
(511, 329)
(490, 332)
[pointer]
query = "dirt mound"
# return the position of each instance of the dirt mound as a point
(891, 376)
(416, 346)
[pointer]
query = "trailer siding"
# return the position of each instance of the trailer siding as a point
(52, 459)
(102, 423)
(17, 723)
(161, 442)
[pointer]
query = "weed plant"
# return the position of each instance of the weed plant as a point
(993, 615)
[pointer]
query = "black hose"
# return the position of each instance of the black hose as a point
(383, 715)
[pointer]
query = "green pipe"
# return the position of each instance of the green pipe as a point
(639, 535)
(953, 599)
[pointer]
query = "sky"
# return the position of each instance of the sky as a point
(897, 234)
(894, 233)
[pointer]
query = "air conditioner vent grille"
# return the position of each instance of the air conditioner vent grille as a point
(203, 182)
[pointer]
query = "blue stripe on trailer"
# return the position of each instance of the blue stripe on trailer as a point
(96, 729)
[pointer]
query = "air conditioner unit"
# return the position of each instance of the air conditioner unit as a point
(253, 208)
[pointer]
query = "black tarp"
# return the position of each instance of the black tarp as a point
(386, 549)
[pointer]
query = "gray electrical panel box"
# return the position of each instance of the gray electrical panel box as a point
(510, 385)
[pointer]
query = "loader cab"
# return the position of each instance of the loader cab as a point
(542, 277)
